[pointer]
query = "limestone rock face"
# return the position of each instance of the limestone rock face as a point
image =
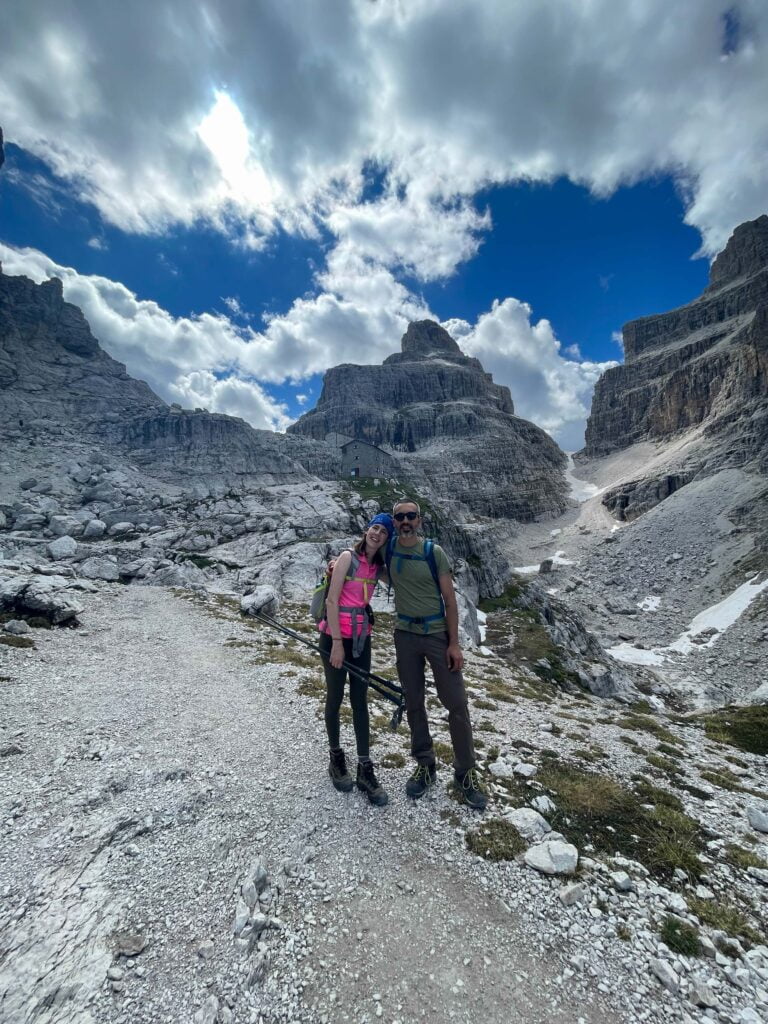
(52, 369)
(446, 423)
(704, 365)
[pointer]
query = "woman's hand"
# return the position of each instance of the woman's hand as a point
(337, 653)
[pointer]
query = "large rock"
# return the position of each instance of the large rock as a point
(553, 858)
(263, 601)
(445, 423)
(62, 547)
(40, 595)
(100, 567)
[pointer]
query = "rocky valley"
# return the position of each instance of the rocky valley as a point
(171, 849)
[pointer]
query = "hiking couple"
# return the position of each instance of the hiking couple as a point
(426, 631)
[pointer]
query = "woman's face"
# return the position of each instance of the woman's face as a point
(376, 535)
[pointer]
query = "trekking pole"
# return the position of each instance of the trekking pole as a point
(394, 694)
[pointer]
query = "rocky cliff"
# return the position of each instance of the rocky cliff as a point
(703, 366)
(448, 424)
(56, 379)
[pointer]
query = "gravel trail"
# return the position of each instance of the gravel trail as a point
(157, 762)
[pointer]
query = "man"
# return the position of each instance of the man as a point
(427, 630)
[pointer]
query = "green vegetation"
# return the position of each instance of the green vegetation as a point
(595, 809)
(9, 640)
(738, 857)
(680, 937)
(725, 917)
(393, 760)
(650, 794)
(495, 840)
(644, 723)
(484, 705)
(745, 728)
(443, 752)
(507, 600)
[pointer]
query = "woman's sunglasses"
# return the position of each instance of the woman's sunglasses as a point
(410, 516)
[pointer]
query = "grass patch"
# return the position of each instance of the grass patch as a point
(738, 857)
(725, 779)
(9, 640)
(745, 728)
(499, 691)
(632, 742)
(595, 809)
(443, 752)
(496, 840)
(650, 794)
(644, 723)
(483, 705)
(486, 726)
(506, 600)
(663, 764)
(312, 686)
(393, 760)
(669, 751)
(681, 937)
(725, 917)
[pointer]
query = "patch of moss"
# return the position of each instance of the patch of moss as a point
(452, 817)
(496, 840)
(312, 686)
(623, 932)
(669, 751)
(745, 728)
(484, 705)
(722, 779)
(663, 764)
(681, 937)
(485, 726)
(10, 640)
(725, 917)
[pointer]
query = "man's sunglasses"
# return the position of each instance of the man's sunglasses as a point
(410, 516)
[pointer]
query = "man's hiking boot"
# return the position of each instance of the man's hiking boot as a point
(421, 780)
(368, 783)
(337, 769)
(470, 791)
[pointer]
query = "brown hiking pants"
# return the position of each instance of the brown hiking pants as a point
(413, 651)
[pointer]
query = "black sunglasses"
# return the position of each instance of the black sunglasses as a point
(410, 516)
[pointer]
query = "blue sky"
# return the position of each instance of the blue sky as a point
(248, 200)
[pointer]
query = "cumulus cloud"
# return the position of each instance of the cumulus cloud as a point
(547, 388)
(254, 116)
(209, 361)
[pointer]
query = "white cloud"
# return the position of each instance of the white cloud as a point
(253, 116)
(617, 337)
(208, 361)
(554, 392)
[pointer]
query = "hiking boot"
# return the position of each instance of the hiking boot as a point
(368, 783)
(337, 769)
(470, 790)
(421, 780)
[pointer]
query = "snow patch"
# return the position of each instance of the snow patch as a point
(580, 490)
(636, 655)
(482, 618)
(650, 603)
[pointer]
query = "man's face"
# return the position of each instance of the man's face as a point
(407, 519)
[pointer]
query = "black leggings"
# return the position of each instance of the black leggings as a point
(358, 694)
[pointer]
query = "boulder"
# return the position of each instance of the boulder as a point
(65, 526)
(758, 817)
(17, 627)
(529, 823)
(553, 857)
(94, 529)
(100, 567)
(62, 547)
(47, 596)
(263, 600)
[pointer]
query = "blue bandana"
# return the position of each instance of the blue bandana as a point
(383, 519)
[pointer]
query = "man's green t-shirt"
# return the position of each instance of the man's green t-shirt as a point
(416, 593)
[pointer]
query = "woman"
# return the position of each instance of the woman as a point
(346, 637)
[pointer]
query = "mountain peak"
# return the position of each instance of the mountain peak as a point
(746, 253)
(427, 337)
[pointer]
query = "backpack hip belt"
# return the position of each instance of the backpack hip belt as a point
(360, 622)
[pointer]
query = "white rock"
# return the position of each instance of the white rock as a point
(62, 547)
(102, 567)
(704, 893)
(701, 994)
(242, 913)
(543, 804)
(94, 529)
(17, 627)
(757, 815)
(502, 770)
(666, 975)
(529, 823)
(621, 881)
(553, 858)
(525, 770)
(262, 600)
(117, 529)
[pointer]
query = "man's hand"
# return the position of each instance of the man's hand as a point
(454, 657)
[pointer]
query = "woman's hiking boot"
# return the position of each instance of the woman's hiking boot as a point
(470, 789)
(368, 783)
(423, 777)
(337, 769)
